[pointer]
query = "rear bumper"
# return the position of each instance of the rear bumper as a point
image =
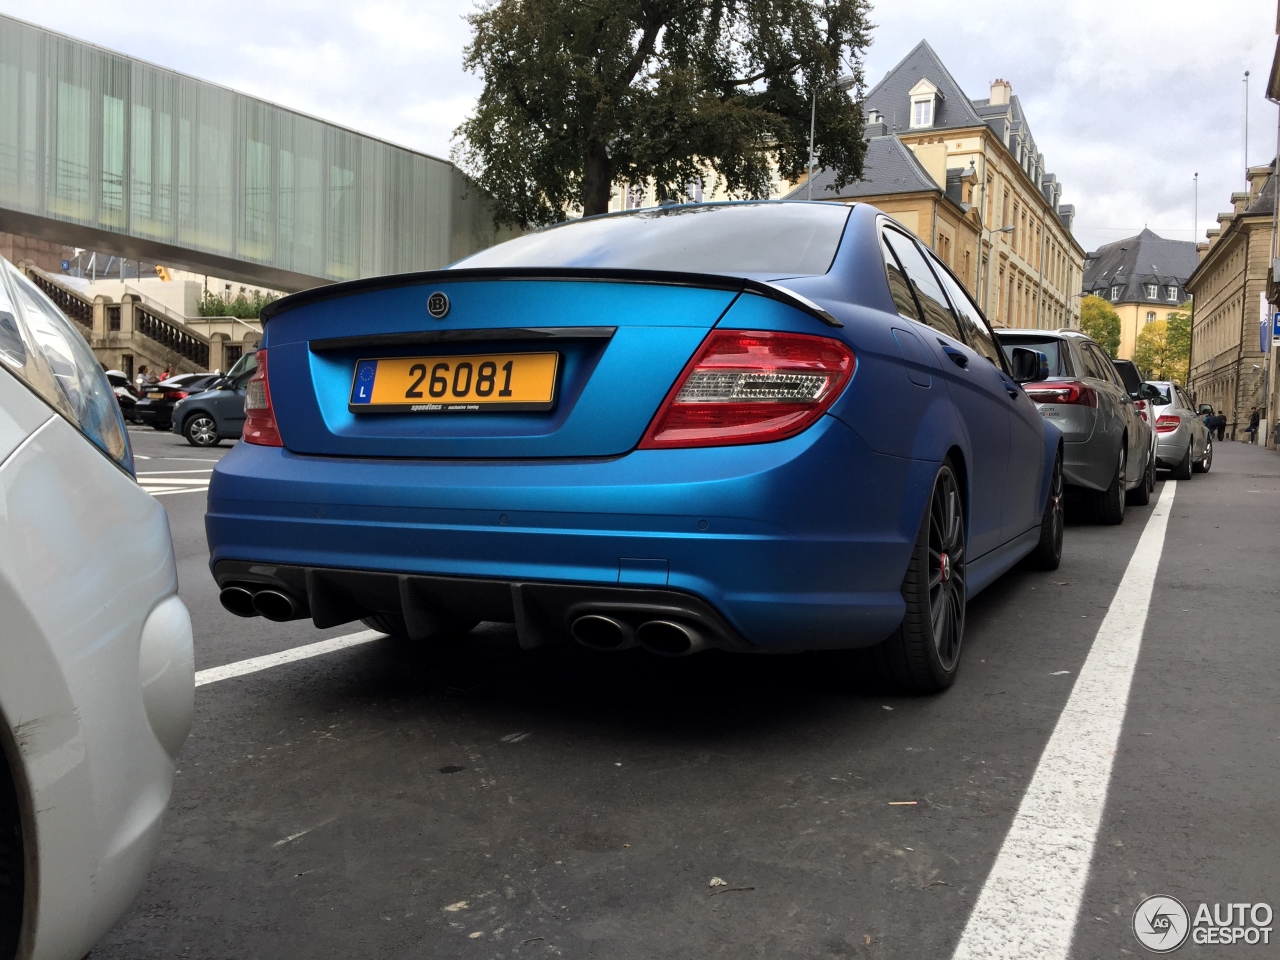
(795, 545)
(1172, 447)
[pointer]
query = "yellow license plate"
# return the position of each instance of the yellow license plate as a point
(466, 384)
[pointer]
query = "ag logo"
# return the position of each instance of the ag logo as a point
(1161, 924)
(438, 305)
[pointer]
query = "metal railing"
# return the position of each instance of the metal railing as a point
(75, 307)
(171, 335)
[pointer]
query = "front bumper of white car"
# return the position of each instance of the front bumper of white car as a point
(96, 673)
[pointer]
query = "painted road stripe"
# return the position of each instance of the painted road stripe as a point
(265, 662)
(1028, 906)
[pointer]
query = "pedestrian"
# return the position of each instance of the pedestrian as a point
(1252, 429)
(142, 376)
(165, 375)
(1220, 422)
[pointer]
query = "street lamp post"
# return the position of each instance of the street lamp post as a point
(844, 84)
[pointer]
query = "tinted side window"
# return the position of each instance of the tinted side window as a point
(937, 313)
(971, 323)
(1088, 361)
(1106, 371)
(1183, 400)
(898, 285)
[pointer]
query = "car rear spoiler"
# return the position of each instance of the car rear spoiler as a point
(712, 281)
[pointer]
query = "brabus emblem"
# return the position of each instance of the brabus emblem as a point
(438, 305)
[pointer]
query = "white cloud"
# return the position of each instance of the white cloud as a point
(1126, 98)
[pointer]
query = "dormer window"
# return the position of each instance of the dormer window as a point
(1152, 291)
(1115, 293)
(1173, 294)
(924, 97)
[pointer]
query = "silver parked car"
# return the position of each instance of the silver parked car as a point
(1185, 444)
(1106, 442)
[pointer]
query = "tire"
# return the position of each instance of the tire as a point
(201, 430)
(923, 654)
(1048, 552)
(11, 864)
(1112, 500)
(393, 625)
(1183, 470)
(1204, 463)
(1140, 495)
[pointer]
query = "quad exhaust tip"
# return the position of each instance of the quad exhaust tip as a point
(238, 600)
(275, 605)
(670, 638)
(599, 632)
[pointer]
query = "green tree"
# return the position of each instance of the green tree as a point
(580, 96)
(1098, 319)
(1163, 348)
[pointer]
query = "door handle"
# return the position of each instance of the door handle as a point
(958, 358)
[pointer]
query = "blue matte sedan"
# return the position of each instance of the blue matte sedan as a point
(761, 427)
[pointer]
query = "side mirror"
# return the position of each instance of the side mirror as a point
(222, 383)
(1029, 366)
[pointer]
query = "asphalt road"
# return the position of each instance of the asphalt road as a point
(478, 801)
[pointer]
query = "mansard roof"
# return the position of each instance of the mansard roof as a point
(889, 167)
(892, 97)
(1134, 262)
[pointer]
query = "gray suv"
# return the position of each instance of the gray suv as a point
(1106, 442)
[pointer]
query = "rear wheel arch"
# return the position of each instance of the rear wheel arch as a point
(956, 457)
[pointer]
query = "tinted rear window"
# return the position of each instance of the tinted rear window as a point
(1055, 350)
(776, 239)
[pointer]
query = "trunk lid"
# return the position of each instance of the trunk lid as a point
(619, 343)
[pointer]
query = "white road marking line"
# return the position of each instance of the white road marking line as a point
(164, 492)
(175, 481)
(165, 473)
(242, 667)
(1029, 903)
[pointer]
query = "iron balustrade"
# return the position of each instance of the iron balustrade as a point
(78, 309)
(171, 335)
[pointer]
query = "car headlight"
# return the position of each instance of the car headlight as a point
(40, 346)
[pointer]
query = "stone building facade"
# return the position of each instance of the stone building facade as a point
(1025, 266)
(1229, 287)
(1144, 278)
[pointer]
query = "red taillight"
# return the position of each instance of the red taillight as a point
(1168, 423)
(259, 417)
(179, 395)
(750, 387)
(1070, 391)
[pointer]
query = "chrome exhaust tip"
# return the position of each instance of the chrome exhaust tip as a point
(238, 600)
(599, 632)
(275, 605)
(670, 638)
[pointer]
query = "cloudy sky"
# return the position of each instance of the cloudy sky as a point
(1126, 98)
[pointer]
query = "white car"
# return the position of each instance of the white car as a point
(96, 666)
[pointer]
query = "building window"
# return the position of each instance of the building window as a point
(1173, 293)
(1152, 290)
(1115, 293)
(923, 95)
(1151, 315)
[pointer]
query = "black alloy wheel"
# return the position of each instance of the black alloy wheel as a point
(922, 655)
(1205, 462)
(1183, 470)
(11, 864)
(1048, 552)
(1140, 495)
(1112, 500)
(201, 431)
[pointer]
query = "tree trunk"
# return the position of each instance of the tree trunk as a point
(597, 180)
